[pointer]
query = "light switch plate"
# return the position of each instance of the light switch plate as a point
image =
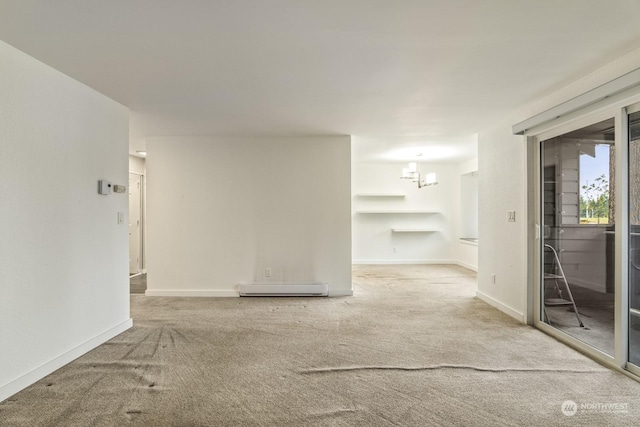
(511, 215)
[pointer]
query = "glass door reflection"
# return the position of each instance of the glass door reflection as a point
(634, 238)
(578, 289)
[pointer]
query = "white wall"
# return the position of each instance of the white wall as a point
(63, 257)
(373, 240)
(221, 210)
(468, 166)
(503, 162)
(137, 164)
(502, 188)
(468, 255)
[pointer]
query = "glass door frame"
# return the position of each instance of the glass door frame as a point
(628, 111)
(621, 311)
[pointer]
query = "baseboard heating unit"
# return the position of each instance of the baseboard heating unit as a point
(274, 289)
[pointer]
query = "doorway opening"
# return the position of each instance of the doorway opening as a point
(137, 267)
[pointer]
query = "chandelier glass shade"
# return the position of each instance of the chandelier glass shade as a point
(414, 174)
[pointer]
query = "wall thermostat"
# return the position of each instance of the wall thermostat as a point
(104, 187)
(119, 188)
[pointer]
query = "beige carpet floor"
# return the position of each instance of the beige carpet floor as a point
(412, 347)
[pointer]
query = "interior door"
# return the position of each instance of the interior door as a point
(135, 223)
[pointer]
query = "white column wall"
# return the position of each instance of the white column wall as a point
(222, 210)
(63, 257)
(502, 188)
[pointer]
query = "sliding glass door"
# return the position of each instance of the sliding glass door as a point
(577, 289)
(588, 256)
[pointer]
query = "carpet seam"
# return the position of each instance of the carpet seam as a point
(444, 366)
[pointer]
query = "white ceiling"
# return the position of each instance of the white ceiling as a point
(417, 73)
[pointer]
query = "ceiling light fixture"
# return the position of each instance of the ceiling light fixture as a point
(413, 173)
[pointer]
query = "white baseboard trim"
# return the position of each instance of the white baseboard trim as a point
(58, 362)
(340, 293)
(500, 306)
(222, 293)
(215, 293)
(468, 266)
(401, 261)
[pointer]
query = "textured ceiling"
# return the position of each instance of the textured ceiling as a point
(404, 73)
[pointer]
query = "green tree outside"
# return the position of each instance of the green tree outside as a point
(594, 201)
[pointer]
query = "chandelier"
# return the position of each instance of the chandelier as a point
(413, 173)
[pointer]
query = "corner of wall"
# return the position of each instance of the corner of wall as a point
(61, 234)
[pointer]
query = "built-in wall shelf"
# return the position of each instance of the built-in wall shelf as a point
(469, 241)
(413, 230)
(387, 211)
(380, 195)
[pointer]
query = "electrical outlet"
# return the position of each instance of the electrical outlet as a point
(394, 250)
(267, 272)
